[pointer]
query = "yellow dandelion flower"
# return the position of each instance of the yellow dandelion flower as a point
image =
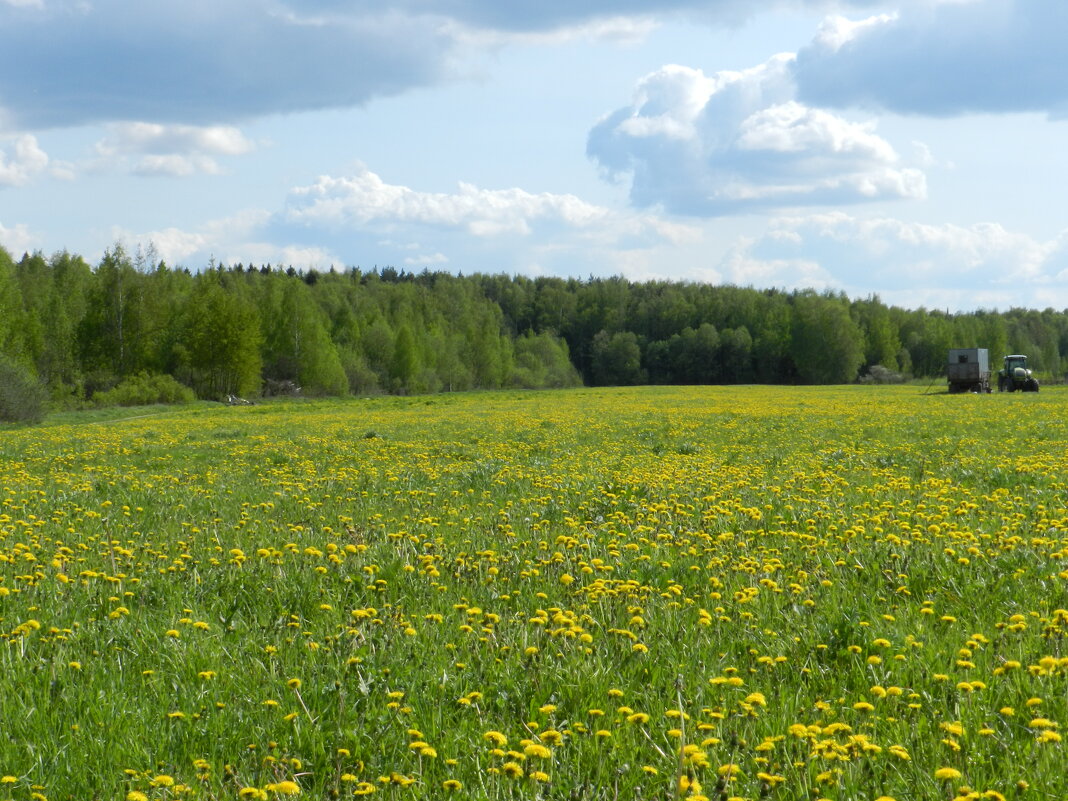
(512, 770)
(899, 752)
(496, 738)
(537, 751)
(551, 737)
(771, 779)
(947, 774)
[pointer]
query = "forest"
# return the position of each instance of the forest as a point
(133, 329)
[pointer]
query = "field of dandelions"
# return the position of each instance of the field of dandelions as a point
(654, 593)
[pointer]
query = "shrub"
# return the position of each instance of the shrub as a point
(22, 397)
(877, 374)
(144, 389)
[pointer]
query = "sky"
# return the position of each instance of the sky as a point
(911, 149)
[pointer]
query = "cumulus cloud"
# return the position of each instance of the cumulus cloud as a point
(146, 137)
(21, 161)
(16, 239)
(359, 219)
(438, 260)
(241, 238)
(365, 199)
(912, 263)
(172, 149)
(943, 59)
(708, 145)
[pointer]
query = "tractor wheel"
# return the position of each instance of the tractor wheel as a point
(1032, 385)
(1001, 383)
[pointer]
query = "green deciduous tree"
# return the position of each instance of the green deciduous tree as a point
(219, 352)
(826, 343)
(617, 359)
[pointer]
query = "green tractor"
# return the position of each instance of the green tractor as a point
(1015, 375)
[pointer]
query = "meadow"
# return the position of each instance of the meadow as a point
(649, 593)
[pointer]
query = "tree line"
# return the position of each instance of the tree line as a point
(81, 331)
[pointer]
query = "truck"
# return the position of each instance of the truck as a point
(1016, 375)
(968, 370)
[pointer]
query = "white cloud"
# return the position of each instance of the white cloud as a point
(793, 128)
(17, 239)
(173, 245)
(239, 237)
(22, 161)
(428, 260)
(148, 137)
(740, 268)
(364, 198)
(176, 150)
(910, 263)
(362, 220)
(370, 221)
(837, 31)
(738, 141)
(176, 165)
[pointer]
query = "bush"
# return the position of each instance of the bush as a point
(542, 361)
(143, 390)
(877, 374)
(23, 399)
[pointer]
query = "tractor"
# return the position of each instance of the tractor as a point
(1016, 376)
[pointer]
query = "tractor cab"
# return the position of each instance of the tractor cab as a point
(1015, 375)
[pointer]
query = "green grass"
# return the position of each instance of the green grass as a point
(749, 568)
